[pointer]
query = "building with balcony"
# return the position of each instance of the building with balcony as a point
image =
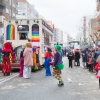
(8, 10)
(26, 10)
(93, 30)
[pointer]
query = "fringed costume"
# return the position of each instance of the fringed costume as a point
(6, 68)
(58, 65)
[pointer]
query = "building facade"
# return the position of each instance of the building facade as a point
(93, 30)
(58, 36)
(26, 10)
(8, 10)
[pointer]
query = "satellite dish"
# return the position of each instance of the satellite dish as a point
(20, 27)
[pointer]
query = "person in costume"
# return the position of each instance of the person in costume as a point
(58, 64)
(21, 62)
(6, 69)
(48, 56)
(35, 58)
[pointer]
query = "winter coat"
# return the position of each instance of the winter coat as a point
(97, 67)
(28, 57)
(77, 55)
(70, 56)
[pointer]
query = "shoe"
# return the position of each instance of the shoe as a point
(60, 83)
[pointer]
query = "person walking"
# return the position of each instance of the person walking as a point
(58, 65)
(21, 62)
(28, 60)
(70, 58)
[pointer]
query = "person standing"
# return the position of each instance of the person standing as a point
(58, 65)
(28, 60)
(77, 57)
(97, 68)
(48, 56)
(21, 62)
(70, 58)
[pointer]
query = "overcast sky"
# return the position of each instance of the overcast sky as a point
(65, 14)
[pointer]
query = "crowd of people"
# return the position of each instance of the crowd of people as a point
(90, 59)
(30, 57)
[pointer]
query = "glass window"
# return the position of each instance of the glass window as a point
(23, 36)
(7, 11)
(22, 6)
(2, 7)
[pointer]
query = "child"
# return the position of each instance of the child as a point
(97, 68)
(21, 62)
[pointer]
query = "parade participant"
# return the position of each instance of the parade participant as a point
(21, 62)
(28, 60)
(97, 68)
(58, 64)
(48, 56)
(6, 69)
(70, 58)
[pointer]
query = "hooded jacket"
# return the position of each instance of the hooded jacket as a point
(28, 57)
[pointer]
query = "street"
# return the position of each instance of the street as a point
(79, 84)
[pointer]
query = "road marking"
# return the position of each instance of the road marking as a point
(8, 78)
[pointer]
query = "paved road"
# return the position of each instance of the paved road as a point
(84, 86)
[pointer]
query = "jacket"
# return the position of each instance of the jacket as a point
(97, 67)
(28, 57)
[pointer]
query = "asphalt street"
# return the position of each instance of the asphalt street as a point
(79, 84)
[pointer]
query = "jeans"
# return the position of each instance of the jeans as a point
(78, 62)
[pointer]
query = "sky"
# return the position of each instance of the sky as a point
(65, 14)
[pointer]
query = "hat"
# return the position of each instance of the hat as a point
(58, 47)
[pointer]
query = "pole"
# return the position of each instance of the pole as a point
(11, 9)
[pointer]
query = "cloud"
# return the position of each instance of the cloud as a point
(65, 14)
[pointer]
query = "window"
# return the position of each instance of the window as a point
(14, 14)
(23, 36)
(2, 7)
(22, 6)
(7, 11)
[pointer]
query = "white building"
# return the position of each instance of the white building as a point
(26, 10)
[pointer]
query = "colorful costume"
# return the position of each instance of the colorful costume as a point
(6, 69)
(21, 62)
(58, 64)
(97, 68)
(36, 61)
(48, 57)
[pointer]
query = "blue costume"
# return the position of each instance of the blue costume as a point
(47, 66)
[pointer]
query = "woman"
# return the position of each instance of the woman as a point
(28, 60)
(58, 64)
(21, 62)
(48, 56)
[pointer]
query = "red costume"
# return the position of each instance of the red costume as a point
(6, 69)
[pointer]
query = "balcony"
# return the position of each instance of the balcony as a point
(98, 7)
